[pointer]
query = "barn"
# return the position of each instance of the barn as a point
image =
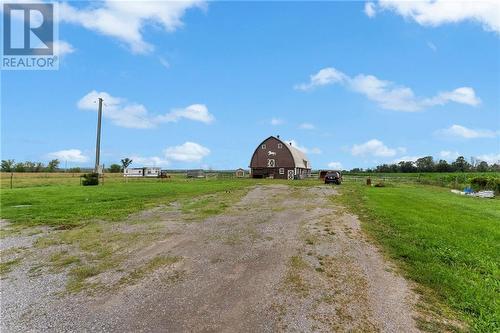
(274, 158)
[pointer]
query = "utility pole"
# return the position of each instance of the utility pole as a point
(98, 141)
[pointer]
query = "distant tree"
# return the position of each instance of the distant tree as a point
(407, 166)
(425, 164)
(75, 170)
(443, 166)
(482, 166)
(383, 168)
(30, 166)
(126, 162)
(495, 167)
(39, 167)
(19, 167)
(53, 165)
(115, 168)
(461, 164)
(8, 165)
(356, 170)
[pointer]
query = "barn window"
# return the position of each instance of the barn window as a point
(280, 145)
(263, 146)
(282, 171)
(271, 163)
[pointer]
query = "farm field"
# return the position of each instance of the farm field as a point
(125, 239)
(446, 242)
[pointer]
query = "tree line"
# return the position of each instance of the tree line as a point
(427, 164)
(53, 166)
(28, 166)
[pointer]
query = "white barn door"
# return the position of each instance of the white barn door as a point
(290, 174)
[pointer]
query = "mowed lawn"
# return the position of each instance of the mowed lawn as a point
(446, 242)
(74, 204)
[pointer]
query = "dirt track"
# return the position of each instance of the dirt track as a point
(282, 259)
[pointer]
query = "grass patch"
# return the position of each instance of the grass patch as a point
(71, 205)
(448, 243)
(294, 279)
(149, 267)
(62, 259)
(79, 274)
(6, 267)
(209, 205)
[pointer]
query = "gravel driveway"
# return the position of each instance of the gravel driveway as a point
(281, 259)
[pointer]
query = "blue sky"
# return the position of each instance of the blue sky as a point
(197, 84)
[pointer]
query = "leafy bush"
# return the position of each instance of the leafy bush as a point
(485, 183)
(115, 168)
(90, 179)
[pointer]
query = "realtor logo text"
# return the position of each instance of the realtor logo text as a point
(29, 33)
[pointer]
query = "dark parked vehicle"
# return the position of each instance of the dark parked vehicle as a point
(334, 177)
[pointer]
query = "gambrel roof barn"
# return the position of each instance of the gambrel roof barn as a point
(275, 158)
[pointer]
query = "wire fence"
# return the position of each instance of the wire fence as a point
(29, 179)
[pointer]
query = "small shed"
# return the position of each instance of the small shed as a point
(198, 173)
(239, 173)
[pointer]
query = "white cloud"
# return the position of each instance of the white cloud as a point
(324, 77)
(406, 159)
(121, 112)
(307, 126)
(375, 147)
(438, 12)
(314, 150)
(467, 133)
(125, 20)
(448, 155)
(490, 158)
(276, 121)
(303, 149)
(164, 62)
(153, 161)
(69, 155)
(463, 95)
(196, 112)
(133, 115)
(187, 152)
(335, 165)
(63, 48)
(432, 46)
(387, 94)
(370, 9)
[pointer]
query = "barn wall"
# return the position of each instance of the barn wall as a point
(266, 172)
(283, 157)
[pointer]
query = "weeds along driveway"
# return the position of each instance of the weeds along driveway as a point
(279, 259)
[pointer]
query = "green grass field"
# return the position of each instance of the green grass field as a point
(74, 204)
(448, 243)
(456, 180)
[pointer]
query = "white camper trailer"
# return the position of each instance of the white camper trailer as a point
(142, 172)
